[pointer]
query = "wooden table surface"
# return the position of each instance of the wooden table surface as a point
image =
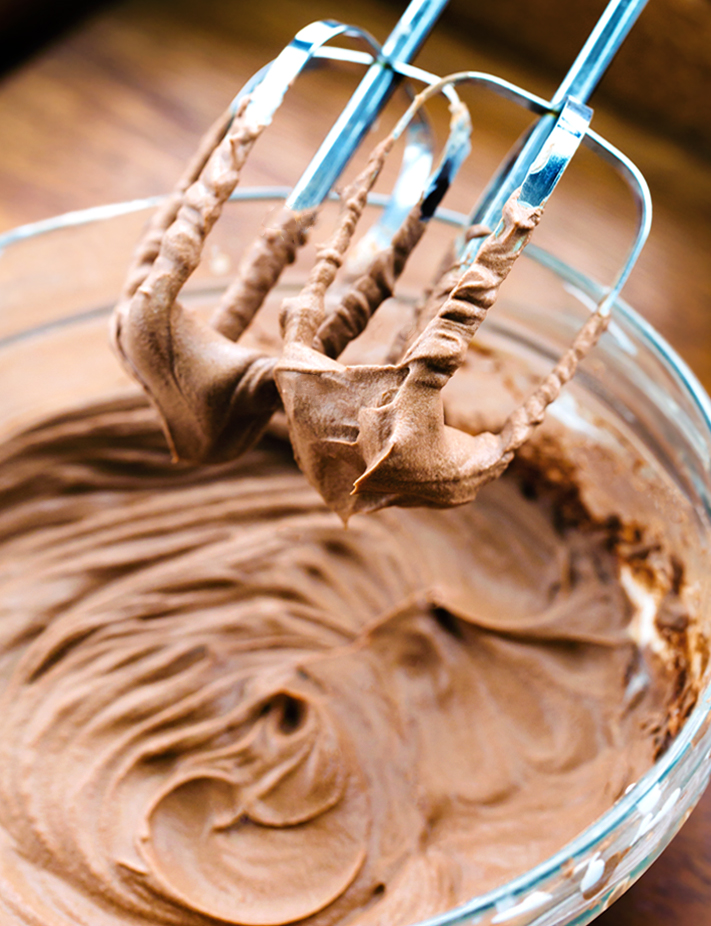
(111, 112)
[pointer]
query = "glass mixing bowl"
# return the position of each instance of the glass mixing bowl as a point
(58, 282)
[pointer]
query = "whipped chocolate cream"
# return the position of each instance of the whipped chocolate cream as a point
(219, 706)
(371, 436)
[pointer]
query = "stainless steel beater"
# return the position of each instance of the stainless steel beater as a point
(217, 391)
(536, 162)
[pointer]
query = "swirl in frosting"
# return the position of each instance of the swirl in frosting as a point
(219, 706)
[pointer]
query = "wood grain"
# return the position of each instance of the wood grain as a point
(113, 110)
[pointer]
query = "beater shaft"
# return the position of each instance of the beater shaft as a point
(362, 109)
(578, 84)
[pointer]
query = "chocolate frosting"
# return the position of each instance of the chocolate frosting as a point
(208, 391)
(372, 436)
(217, 706)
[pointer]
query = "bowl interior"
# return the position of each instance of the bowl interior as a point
(632, 399)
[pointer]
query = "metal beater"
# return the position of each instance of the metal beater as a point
(217, 393)
(536, 162)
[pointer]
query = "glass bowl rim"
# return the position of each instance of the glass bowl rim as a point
(680, 374)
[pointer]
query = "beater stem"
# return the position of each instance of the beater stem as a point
(363, 107)
(579, 83)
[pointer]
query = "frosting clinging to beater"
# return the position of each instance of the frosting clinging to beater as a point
(365, 436)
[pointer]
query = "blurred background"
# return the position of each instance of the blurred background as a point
(104, 101)
(661, 78)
